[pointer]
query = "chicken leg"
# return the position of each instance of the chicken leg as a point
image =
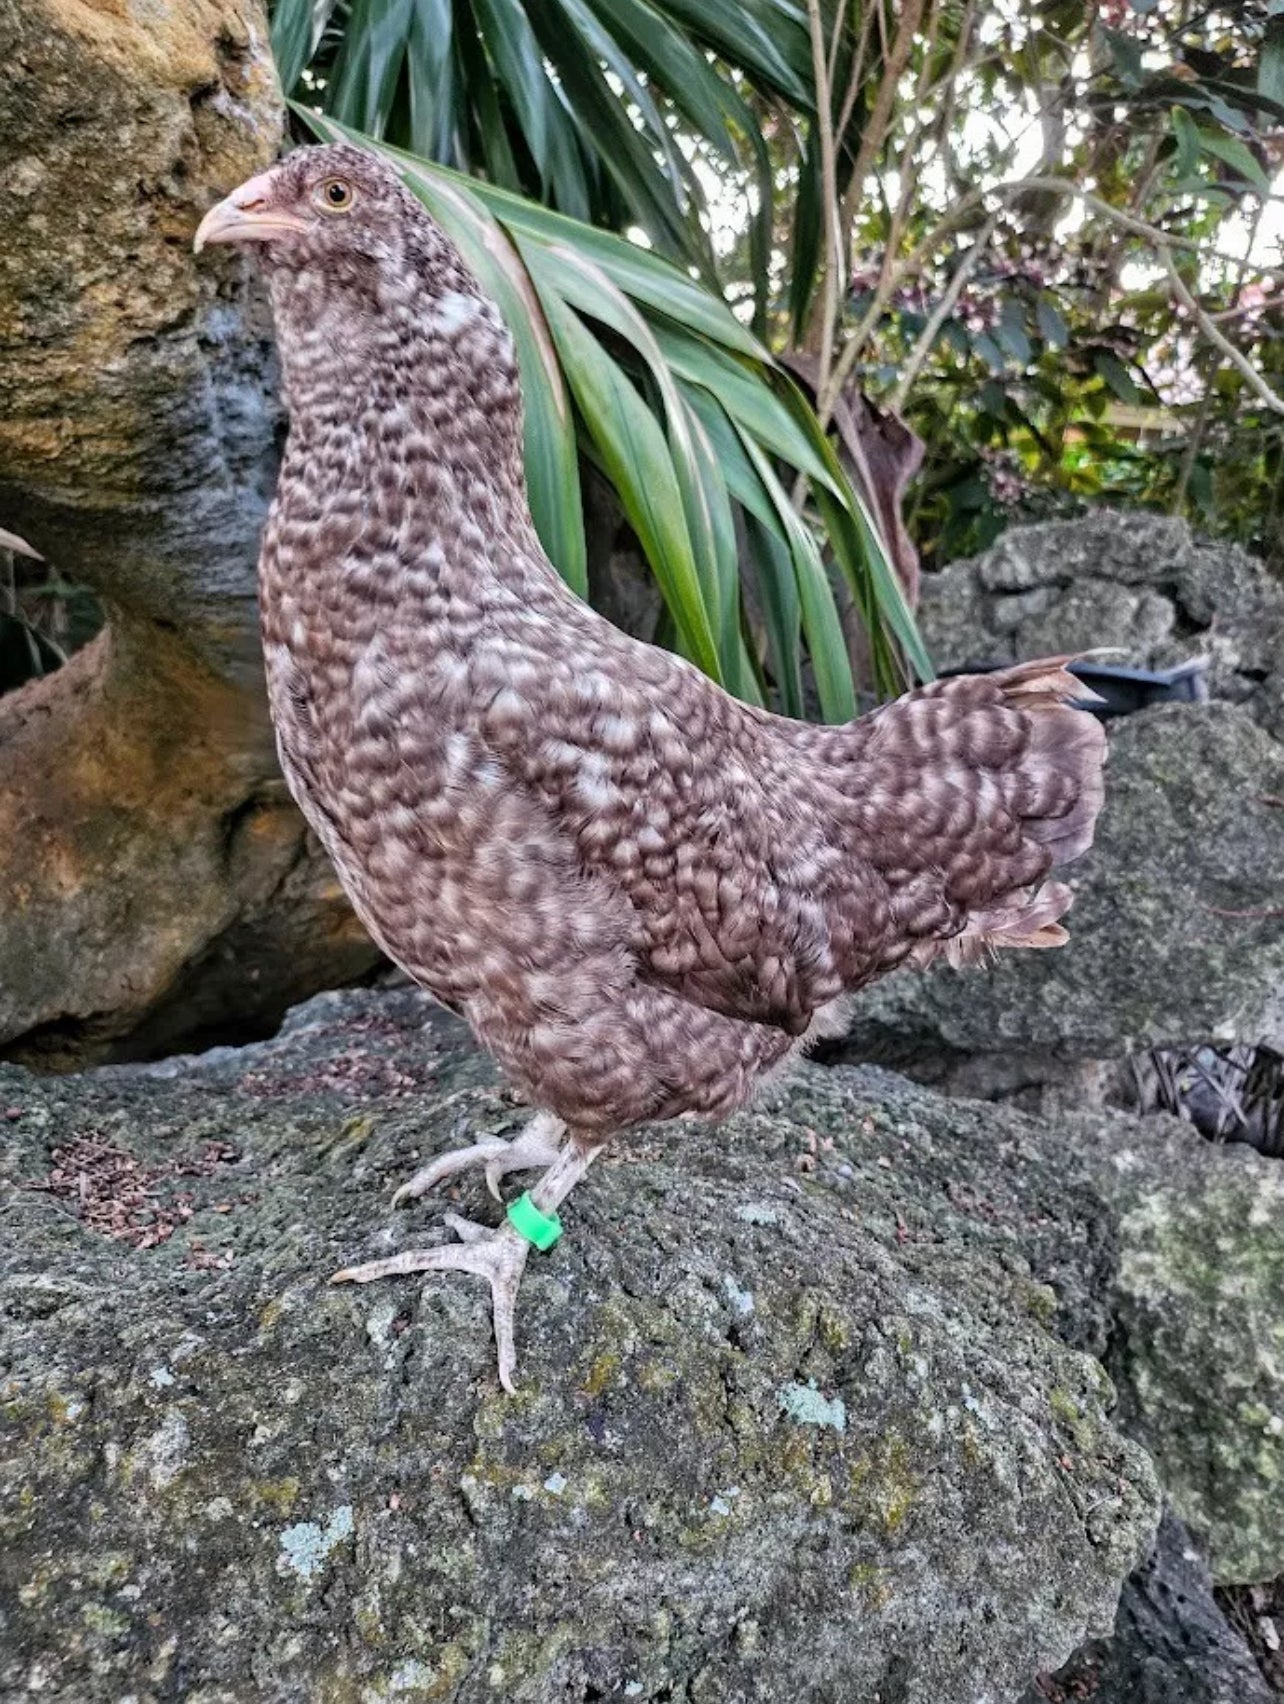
(499, 1256)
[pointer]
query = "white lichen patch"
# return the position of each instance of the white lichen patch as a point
(162, 1455)
(379, 1322)
(305, 1546)
(804, 1404)
(720, 1502)
(757, 1213)
(411, 1676)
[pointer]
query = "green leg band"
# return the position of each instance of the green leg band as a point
(540, 1229)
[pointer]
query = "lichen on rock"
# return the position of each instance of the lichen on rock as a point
(331, 1494)
(1198, 1340)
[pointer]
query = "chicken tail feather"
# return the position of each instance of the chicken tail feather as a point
(1026, 769)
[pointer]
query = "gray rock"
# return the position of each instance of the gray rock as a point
(1180, 1288)
(792, 1421)
(1197, 1341)
(165, 888)
(1185, 1299)
(1176, 936)
(1171, 1644)
(1141, 582)
(1177, 933)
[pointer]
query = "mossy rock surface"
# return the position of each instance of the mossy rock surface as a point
(1172, 1644)
(794, 1418)
(1197, 1345)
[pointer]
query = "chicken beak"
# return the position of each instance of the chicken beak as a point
(246, 216)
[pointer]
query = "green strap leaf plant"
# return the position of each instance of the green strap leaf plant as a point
(657, 383)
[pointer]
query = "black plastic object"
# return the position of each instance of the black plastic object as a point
(1122, 691)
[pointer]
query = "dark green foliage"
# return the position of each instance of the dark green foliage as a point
(573, 118)
(42, 618)
(1069, 371)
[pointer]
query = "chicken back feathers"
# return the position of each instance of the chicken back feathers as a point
(642, 894)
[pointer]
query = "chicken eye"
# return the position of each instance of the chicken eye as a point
(335, 195)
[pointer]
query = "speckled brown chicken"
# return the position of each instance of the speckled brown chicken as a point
(643, 895)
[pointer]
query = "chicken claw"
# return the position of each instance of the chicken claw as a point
(498, 1256)
(537, 1144)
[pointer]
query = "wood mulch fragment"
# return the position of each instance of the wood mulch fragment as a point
(115, 1194)
(354, 1075)
(1257, 1613)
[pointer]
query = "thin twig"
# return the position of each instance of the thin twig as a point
(904, 268)
(909, 165)
(1218, 338)
(1129, 221)
(893, 271)
(949, 86)
(1190, 455)
(857, 74)
(876, 125)
(1244, 311)
(835, 42)
(1195, 443)
(949, 82)
(833, 281)
(882, 24)
(943, 309)
(1164, 242)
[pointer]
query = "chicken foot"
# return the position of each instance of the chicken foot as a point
(499, 1256)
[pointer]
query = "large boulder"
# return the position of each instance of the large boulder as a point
(137, 425)
(1197, 1340)
(804, 1411)
(1177, 932)
(1171, 1643)
(165, 887)
(1179, 1289)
